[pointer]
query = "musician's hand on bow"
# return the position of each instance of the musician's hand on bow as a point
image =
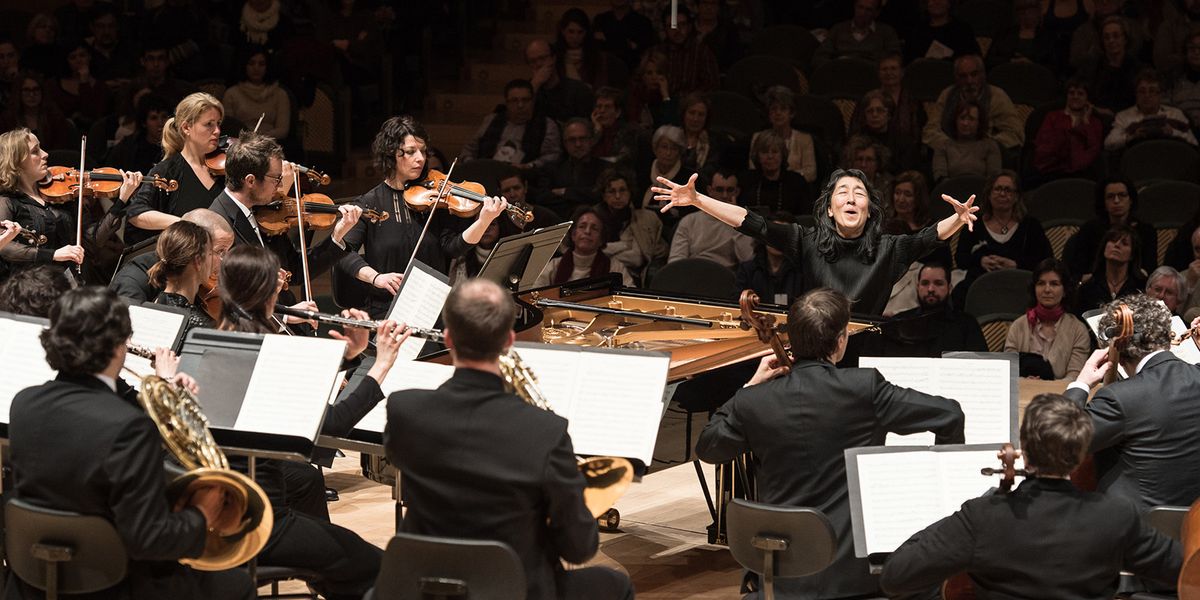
(307, 305)
(130, 182)
(69, 254)
(390, 336)
(356, 338)
(1095, 368)
(768, 369)
(388, 281)
(675, 195)
(287, 177)
(351, 213)
(964, 210)
(166, 363)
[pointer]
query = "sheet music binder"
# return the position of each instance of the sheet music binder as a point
(429, 347)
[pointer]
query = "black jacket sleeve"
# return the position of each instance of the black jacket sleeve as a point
(929, 557)
(573, 530)
(345, 414)
(904, 411)
(723, 438)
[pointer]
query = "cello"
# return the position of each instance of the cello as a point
(1119, 335)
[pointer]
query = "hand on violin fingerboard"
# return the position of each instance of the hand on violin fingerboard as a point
(492, 207)
(351, 213)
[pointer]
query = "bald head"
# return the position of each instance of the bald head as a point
(479, 317)
(209, 220)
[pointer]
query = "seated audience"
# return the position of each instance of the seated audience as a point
(1023, 40)
(933, 327)
(1088, 39)
(1166, 284)
(668, 144)
(468, 265)
(691, 65)
(771, 186)
(514, 187)
(42, 54)
(76, 91)
(718, 31)
(1111, 75)
(1115, 272)
(875, 121)
(555, 96)
(1116, 204)
(861, 37)
(616, 138)
(576, 53)
(1185, 89)
(781, 108)
(142, 149)
(969, 151)
(583, 258)
(771, 273)
(1093, 537)
(700, 235)
(514, 133)
(624, 32)
(155, 76)
(1170, 41)
(633, 235)
(939, 35)
(1069, 141)
(257, 94)
(114, 56)
(874, 160)
(1149, 118)
(906, 113)
(570, 181)
(650, 102)
(970, 85)
(908, 212)
(1053, 343)
(31, 109)
(702, 147)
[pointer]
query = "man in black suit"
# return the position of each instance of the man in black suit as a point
(512, 474)
(132, 281)
(1145, 441)
(798, 424)
(1065, 543)
(254, 171)
(82, 443)
(933, 327)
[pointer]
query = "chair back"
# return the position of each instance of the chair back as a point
(696, 277)
(960, 187)
(752, 75)
(925, 78)
(1004, 291)
(1071, 198)
(986, 17)
(734, 113)
(851, 77)
(782, 541)
(995, 329)
(792, 43)
(62, 552)
(1026, 83)
(1160, 159)
(416, 567)
(1167, 520)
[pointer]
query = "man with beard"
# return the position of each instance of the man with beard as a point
(933, 327)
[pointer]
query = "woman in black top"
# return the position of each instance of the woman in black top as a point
(1116, 204)
(770, 185)
(22, 166)
(847, 249)
(400, 150)
(188, 137)
(185, 255)
(1115, 272)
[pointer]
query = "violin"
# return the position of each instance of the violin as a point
(215, 161)
(320, 213)
(463, 199)
(32, 237)
(313, 175)
(764, 326)
(960, 587)
(104, 182)
(1192, 334)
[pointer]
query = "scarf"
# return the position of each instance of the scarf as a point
(258, 25)
(1041, 314)
(566, 266)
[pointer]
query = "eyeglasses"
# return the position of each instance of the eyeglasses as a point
(1004, 189)
(278, 178)
(1116, 196)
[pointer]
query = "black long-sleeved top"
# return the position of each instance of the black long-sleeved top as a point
(389, 244)
(868, 285)
(57, 223)
(191, 195)
(1028, 246)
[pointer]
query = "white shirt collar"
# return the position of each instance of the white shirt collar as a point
(1142, 363)
(245, 210)
(109, 381)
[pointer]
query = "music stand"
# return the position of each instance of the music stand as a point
(134, 251)
(516, 261)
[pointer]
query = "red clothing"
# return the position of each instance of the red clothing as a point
(1061, 148)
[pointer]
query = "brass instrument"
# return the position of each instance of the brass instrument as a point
(185, 433)
(607, 476)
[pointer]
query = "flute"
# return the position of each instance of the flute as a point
(433, 335)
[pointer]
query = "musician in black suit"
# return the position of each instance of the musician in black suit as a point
(82, 443)
(132, 281)
(1060, 542)
(1145, 441)
(798, 424)
(511, 475)
(254, 171)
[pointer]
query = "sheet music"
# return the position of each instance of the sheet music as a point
(982, 388)
(1093, 323)
(404, 375)
(289, 389)
(556, 371)
(22, 361)
(1186, 350)
(418, 304)
(152, 329)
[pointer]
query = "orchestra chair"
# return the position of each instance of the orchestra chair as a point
(779, 541)
(1167, 520)
(696, 277)
(62, 552)
(419, 567)
(273, 576)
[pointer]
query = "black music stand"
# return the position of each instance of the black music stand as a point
(143, 247)
(516, 261)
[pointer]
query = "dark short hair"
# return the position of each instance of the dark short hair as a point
(1148, 75)
(815, 322)
(517, 84)
(612, 93)
(1151, 326)
(390, 139)
(32, 291)
(251, 155)
(1055, 434)
(479, 316)
(1058, 267)
(1130, 188)
(87, 325)
(149, 103)
(612, 174)
(934, 264)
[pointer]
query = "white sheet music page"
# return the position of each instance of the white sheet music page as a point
(22, 361)
(419, 304)
(404, 375)
(1186, 350)
(289, 389)
(899, 496)
(618, 404)
(557, 373)
(960, 477)
(981, 387)
(152, 329)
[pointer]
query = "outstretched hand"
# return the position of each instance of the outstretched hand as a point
(676, 195)
(964, 210)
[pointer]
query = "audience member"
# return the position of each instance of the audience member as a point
(141, 150)
(939, 35)
(1149, 118)
(633, 235)
(874, 120)
(571, 180)
(257, 94)
(263, 23)
(970, 84)
(691, 66)
(1185, 90)
(577, 54)
(873, 159)
(700, 235)
(908, 211)
(42, 54)
(969, 151)
(1111, 74)
(624, 32)
(861, 37)
(616, 138)
(514, 133)
(1166, 284)
(933, 326)
(1069, 141)
(1116, 204)
(649, 100)
(557, 97)
(1060, 20)
(156, 77)
(468, 265)
(668, 145)
(514, 187)
(354, 30)
(583, 258)
(1023, 40)
(781, 109)
(1087, 41)
(1115, 272)
(1053, 343)
(769, 186)
(113, 55)
(75, 91)
(702, 147)
(1009, 239)
(32, 110)
(715, 30)
(905, 113)
(771, 273)
(10, 68)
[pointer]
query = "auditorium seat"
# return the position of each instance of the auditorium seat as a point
(1152, 160)
(999, 292)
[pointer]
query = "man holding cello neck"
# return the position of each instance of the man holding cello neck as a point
(254, 173)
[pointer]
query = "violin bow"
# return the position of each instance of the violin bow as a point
(260, 120)
(429, 218)
(303, 238)
(79, 208)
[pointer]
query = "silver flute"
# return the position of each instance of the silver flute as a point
(433, 335)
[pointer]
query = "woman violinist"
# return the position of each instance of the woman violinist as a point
(22, 167)
(185, 256)
(188, 137)
(401, 150)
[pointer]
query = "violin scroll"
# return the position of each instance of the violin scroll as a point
(1008, 470)
(764, 326)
